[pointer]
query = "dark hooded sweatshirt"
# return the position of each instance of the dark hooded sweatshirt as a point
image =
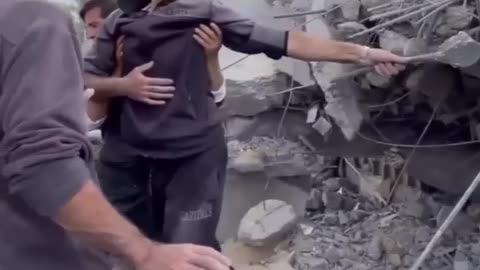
(190, 121)
(43, 150)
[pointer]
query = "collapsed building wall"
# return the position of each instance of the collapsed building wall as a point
(432, 108)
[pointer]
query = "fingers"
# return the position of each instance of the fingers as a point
(145, 67)
(159, 89)
(203, 35)
(208, 263)
(210, 252)
(210, 33)
(159, 81)
(153, 102)
(388, 69)
(200, 41)
(216, 29)
(159, 96)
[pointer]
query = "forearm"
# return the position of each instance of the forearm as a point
(89, 216)
(308, 48)
(105, 87)
(215, 72)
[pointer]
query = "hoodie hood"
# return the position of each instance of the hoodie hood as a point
(130, 6)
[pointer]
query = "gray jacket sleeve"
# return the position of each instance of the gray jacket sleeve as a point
(100, 60)
(41, 107)
(244, 35)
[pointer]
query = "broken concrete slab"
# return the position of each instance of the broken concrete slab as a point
(314, 201)
(285, 165)
(266, 222)
(459, 17)
(251, 97)
(332, 200)
(249, 161)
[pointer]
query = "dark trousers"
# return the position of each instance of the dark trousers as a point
(170, 200)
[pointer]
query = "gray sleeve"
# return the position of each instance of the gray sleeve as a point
(100, 59)
(41, 107)
(244, 35)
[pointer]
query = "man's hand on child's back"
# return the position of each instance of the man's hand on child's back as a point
(152, 91)
(210, 37)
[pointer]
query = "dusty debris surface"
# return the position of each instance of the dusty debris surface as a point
(345, 231)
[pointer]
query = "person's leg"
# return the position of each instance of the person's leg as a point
(194, 198)
(125, 184)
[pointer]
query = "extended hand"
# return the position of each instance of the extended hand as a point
(385, 62)
(210, 37)
(183, 257)
(152, 91)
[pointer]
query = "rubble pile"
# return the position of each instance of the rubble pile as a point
(406, 27)
(343, 231)
(276, 157)
(346, 231)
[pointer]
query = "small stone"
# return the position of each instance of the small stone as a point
(343, 219)
(248, 161)
(408, 260)
(394, 259)
(422, 235)
(473, 210)
(374, 249)
(461, 262)
(318, 264)
(371, 3)
(266, 222)
(332, 200)
(415, 46)
(415, 208)
(330, 219)
(341, 238)
(358, 236)
(314, 201)
(351, 9)
(458, 17)
(323, 126)
(475, 248)
(331, 254)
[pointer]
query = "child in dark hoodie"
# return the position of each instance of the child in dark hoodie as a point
(164, 166)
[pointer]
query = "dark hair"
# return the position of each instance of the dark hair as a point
(106, 7)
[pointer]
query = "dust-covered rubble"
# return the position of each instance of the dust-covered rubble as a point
(372, 237)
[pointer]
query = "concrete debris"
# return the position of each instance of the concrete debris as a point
(266, 222)
(274, 157)
(249, 161)
(323, 126)
(392, 41)
(462, 224)
(332, 200)
(314, 201)
(459, 17)
(251, 97)
(375, 249)
(461, 262)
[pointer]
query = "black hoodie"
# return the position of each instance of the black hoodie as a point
(190, 121)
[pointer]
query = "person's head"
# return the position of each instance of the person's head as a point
(94, 12)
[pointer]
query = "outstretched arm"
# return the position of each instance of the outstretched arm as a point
(244, 35)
